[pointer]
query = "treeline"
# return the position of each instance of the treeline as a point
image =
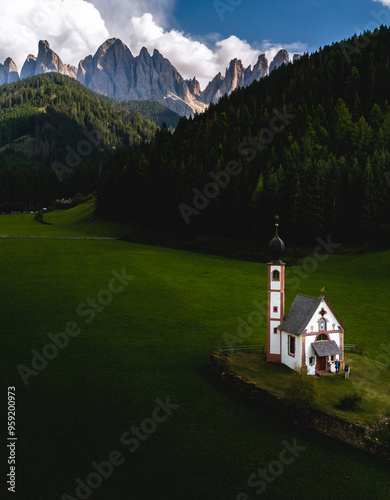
(44, 119)
(153, 111)
(310, 142)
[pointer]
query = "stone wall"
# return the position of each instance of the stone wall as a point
(356, 435)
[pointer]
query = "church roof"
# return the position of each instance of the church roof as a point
(301, 311)
(326, 348)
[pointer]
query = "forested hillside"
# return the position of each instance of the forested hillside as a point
(43, 119)
(153, 111)
(310, 142)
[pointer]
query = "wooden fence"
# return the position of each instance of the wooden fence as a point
(244, 348)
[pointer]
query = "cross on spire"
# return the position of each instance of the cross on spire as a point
(277, 219)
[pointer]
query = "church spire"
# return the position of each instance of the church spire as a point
(275, 302)
(276, 245)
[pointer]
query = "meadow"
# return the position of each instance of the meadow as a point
(152, 341)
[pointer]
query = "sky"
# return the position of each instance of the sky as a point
(199, 38)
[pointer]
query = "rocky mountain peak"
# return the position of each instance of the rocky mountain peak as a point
(144, 53)
(236, 76)
(194, 86)
(29, 67)
(236, 64)
(46, 62)
(260, 70)
(281, 57)
(10, 65)
(114, 71)
(262, 63)
(104, 47)
(120, 48)
(157, 54)
(8, 72)
(43, 45)
(212, 93)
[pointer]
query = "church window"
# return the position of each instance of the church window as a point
(291, 345)
(276, 275)
(275, 309)
(311, 360)
(321, 337)
(275, 330)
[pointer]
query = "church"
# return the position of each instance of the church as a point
(310, 334)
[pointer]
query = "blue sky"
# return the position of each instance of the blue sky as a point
(312, 22)
(198, 37)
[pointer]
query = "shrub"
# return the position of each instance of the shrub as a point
(39, 216)
(360, 349)
(350, 402)
(302, 392)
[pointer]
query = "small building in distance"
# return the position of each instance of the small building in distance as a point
(310, 334)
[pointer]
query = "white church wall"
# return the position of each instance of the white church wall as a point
(274, 338)
(311, 369)
(291, 361)
(275, 302)
(332, 323)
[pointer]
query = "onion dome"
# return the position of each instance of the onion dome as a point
(276, 245)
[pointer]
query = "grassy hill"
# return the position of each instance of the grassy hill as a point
(52, 118)
(151, 341)
(79, 221)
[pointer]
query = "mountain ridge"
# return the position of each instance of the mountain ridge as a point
(113, 71)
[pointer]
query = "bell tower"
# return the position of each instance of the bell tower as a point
(275, 308)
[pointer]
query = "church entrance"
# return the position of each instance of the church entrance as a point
(321, 363)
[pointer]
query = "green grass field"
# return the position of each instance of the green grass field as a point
(77, 222)
(153, 341)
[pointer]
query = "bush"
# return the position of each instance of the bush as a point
(351, 402)
(360, 349)
(39, 216)
(302, 392)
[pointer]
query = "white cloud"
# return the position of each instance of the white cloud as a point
(74, 28)
(386, 3)
(189, 57)
(270, 49)
(117, 14)
(192, 57)
(233, 47)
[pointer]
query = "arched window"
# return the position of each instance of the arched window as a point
(323, 336)
(276, 275)
(322, 324)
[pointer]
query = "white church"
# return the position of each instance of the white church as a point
(310, 334)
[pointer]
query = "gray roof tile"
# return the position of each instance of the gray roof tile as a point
(299, 315)
(326, 348)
